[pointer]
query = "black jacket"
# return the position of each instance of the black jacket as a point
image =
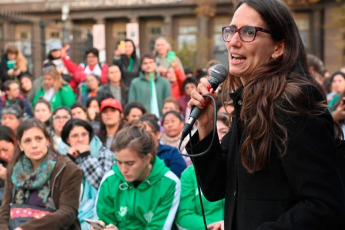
(301, 190)
(127, 76)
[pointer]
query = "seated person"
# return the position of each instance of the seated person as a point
(77, 134)
(170, 155)
(140, 192)
(189, 214)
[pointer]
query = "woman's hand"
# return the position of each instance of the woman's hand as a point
(217, 225)
(205, 120)
(3, 172)
(17, 72)
(82, 148)
(339, 112)
(118, 53)
(111, 227)
(10, 72)
(73, 152)
(162, 71)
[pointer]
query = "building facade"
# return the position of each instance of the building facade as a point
(196, 38)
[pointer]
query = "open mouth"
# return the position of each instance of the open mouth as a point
(237, 57)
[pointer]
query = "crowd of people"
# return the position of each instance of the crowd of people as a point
(112, 128)
(101, 142)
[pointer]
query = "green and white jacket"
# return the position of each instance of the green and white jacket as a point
(150, 205)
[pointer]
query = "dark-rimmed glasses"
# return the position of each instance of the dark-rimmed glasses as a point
(246, 33)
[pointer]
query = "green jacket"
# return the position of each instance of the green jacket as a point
(65, 96)
(140, 91)
(150, 205)
(189, 215)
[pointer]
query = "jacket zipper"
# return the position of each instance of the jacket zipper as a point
(55, 180)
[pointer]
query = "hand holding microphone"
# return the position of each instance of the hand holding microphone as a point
(201, 111)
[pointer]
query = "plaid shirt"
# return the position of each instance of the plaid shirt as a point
(95, 168)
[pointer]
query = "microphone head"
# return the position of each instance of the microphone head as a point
(218, 74)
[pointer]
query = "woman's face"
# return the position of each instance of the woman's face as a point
(92, 83)
(114, 74)
(42, 112)
(134, 114)
(222, 129)
(338, 83)
(129, 49)
(78, 136)
(171, 75)
(59, 120)
(91, 59)
(48, 80)
(94, 105)
(79, 113)
(12, 55)
(172, 125)
(132, 166)
(56, 54)
(6, 150)
(162, 47)
(110, 116)
(26, 84)
(245, 57)
(11, 121)
(34, 145)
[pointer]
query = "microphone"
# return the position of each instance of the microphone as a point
(218, 74)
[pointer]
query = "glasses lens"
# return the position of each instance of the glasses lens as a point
(247, 33)
(228, 32)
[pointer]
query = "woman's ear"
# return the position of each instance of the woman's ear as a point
(149, 158)
(278, 49)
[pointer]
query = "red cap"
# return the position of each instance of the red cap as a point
(111, 102)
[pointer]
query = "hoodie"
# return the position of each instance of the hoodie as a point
(150, 205)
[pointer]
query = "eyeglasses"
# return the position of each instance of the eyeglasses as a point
(246, 33)
(66, 117)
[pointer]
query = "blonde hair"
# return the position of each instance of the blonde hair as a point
(52, 71)
(21, 63)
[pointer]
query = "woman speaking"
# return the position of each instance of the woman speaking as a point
(276, 167)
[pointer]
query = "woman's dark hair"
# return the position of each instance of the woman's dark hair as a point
(173, 112)
(135, 137)
(41, 100)
(152, 121)
(102, 134)
(78, 104)
(91, 99)
(70, 124)
(98, 79)
(225, 118)
(274, 86)
(131, 105)
(92, 50)
(124, 58)
(6, 134)
(189, 80)
(26, 125)
(62, 108)
(337, 73)
(24, 75)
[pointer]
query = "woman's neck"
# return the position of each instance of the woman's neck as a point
(115, 83)
(111, 130)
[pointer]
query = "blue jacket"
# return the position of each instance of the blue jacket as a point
(172, 159)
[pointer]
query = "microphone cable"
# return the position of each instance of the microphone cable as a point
(201, 154)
